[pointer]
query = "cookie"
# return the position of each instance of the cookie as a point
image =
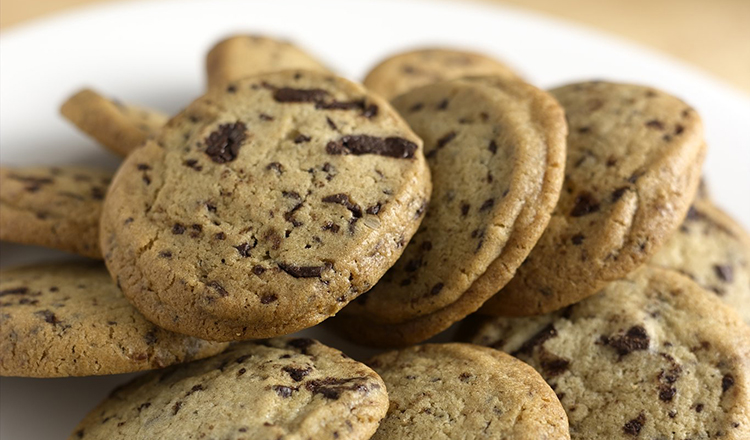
(652, 356)
(121, 128)
(449, 391)
(496, 151)
(634, 156)
(56, 207)
(714, 251)
(276, 389)
(240, 56)
(263, 210)
(59, 320)
(406, 71)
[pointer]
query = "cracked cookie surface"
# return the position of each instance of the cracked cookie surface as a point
(650, 356)
(263, 210)
(713, 250)
(496, 151)
(241, 56)
(449, 391)
(59, 320)
(56, 207)
(406, 71)
(634, 157)
(294, 389)
(119, 127)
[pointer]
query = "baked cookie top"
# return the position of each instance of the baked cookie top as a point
(56, 207)
(650, 356)
(633, 164)
(240, 56)
(408, 70)
(119, 127)
(496, 151)
(713, 250)
(59, 320)
(263, 209)
(266, 390)
(448, 391)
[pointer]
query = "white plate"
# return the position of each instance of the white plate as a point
(152, 53)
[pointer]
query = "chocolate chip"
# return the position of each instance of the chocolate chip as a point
(245, 248)
(343, 199)
(617, 194)
(330, 226)
(301, 344)
(364, 144)
(464, 377)
(48, 316)
(267, 299)
(436, 289)
(150, 337)
(548, 332)
(223, 145)
(493, 146)
(218, 288)
(724, 272)
(465, 208)
(553, 365)
(445, 139)
(276, 167)
(666, 393)
(283, 391)
(332, 388)
(634, 426)
(655, 123)
(303, 271)
(727, 382)
(231, 88)
(15, 291)
(265, 117)
(258, 270)
(241, 371)
(297, 374)
(178, 229)
(635, 339)
(301, 138)
(220, 236)
(176, 407)
(288, 94)
(585, 203)
(331, 123)
(416, 107)
(373, 210)
(489, 203)
(192, 163)
(577, 239)
(443, 104)
(165, 254)
(699, 408)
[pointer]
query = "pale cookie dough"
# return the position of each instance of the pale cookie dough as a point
(496, 150)
(406, 71)
(59, 320)
(263, 210)
(633, 164)
(241, 56)
(56, 207)
(294, 389)
(121, 128)
(452, 391)
(652, 356)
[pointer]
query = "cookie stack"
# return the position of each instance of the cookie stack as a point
(600, 283)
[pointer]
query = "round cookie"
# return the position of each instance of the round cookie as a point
(60, 320)
(634, 157)
(239, 56)
(263, 210)
(406, 71)
(56, 207)
(496, 150)
(266, 390)
(121, 128)
(714, 251)
(651, 356)
(449, 391)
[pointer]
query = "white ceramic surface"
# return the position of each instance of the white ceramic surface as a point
(152, 53)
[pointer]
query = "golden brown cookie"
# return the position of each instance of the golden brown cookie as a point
(119, 127)
(406, 71)
(56, 207)
(633, 164)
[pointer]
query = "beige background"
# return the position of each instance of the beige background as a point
(712, 34)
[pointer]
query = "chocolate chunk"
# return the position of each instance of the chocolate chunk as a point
(283, 391)
(303, 271)
(288, 94)
(585, 203)
(724, 272)
(48, 316)
(634, 426)
(267, 299)
(727, 382)
(373, 210)
(548, 332)
(297, 374)
(553, 365)
(343, 199)
(666, 393)
(223, 145)
(15, 291)
(245, 248)
(364, 144)
(635, 339)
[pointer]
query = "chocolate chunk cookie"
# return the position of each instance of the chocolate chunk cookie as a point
(263, 210)
(651, 356)
(633, 165)
(406, 71)
(240, 56)
(59, 320)
(449, 391)
(496, 151)
(56, 207)
(276, 389)
(713, 250)
(119, 127)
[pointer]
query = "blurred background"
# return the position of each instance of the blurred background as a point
(711, 34)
